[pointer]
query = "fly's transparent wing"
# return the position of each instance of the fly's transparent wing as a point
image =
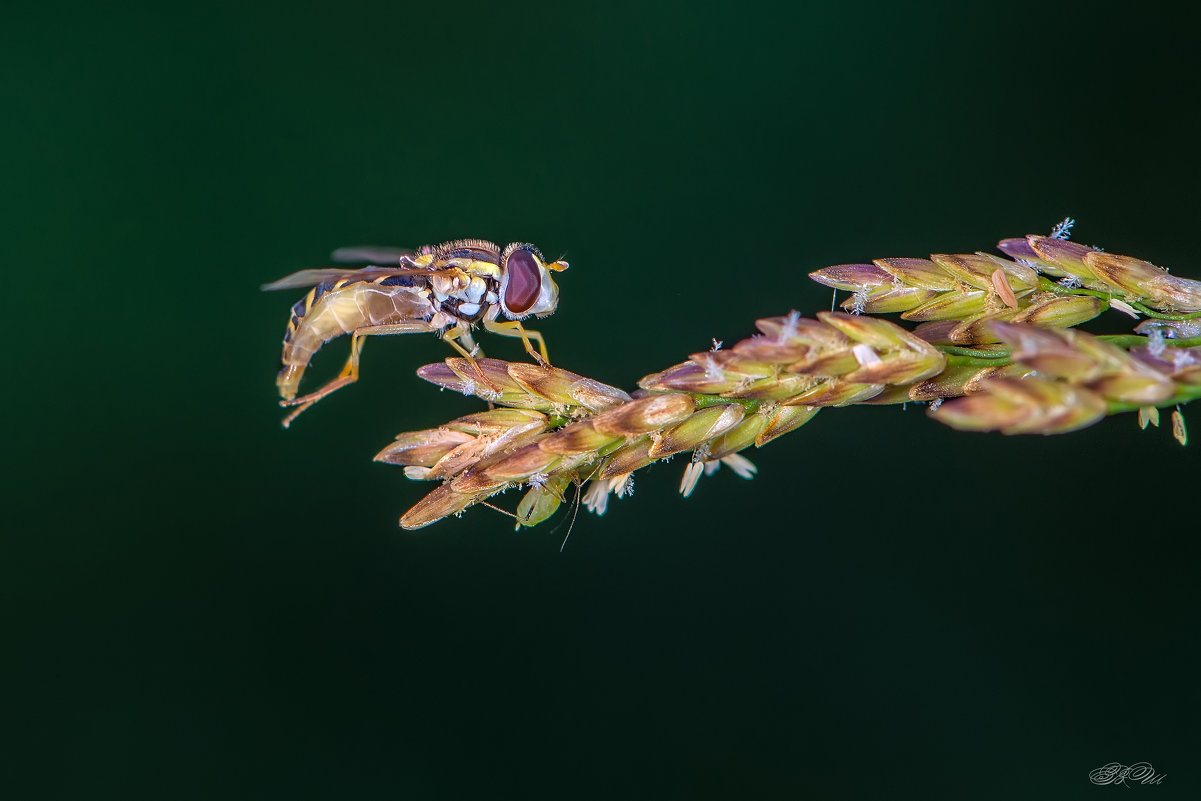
(370, 254)
(395, 259)
(309, 278)
(333, 274)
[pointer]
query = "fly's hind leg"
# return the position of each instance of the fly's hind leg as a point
(514, 328)
(350, 372)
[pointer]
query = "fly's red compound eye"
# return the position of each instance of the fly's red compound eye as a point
(524, 281)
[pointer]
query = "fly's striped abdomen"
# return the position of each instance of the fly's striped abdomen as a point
(332, 309)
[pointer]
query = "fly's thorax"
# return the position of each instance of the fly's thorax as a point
(461, 310)
(449, 283)
(471, 257)
(467, 300)
(465, 251)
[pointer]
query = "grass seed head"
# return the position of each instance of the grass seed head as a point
(1027, 371)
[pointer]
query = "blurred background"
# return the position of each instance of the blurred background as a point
(199, 604)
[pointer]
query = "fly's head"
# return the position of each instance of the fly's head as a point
(526, 286)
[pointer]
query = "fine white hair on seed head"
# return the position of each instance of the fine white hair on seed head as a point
(1063, 229)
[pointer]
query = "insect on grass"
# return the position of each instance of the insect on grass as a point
(442, 289)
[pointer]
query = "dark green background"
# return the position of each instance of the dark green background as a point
(198, 604)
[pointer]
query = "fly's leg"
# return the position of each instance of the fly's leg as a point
(514, 328)
(462, 332)
(350, 372)
(459, 337)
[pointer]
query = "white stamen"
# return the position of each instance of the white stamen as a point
(1123, 307)
(1178, 429)
(865, 355)
(596, 498)
(717, 343)
(622, 485)
(692, 475)
(742, 466)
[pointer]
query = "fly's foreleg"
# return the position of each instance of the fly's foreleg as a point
(350, 371)
(514, 328)
(459, 338)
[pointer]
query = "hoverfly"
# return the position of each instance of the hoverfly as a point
(444, 289)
